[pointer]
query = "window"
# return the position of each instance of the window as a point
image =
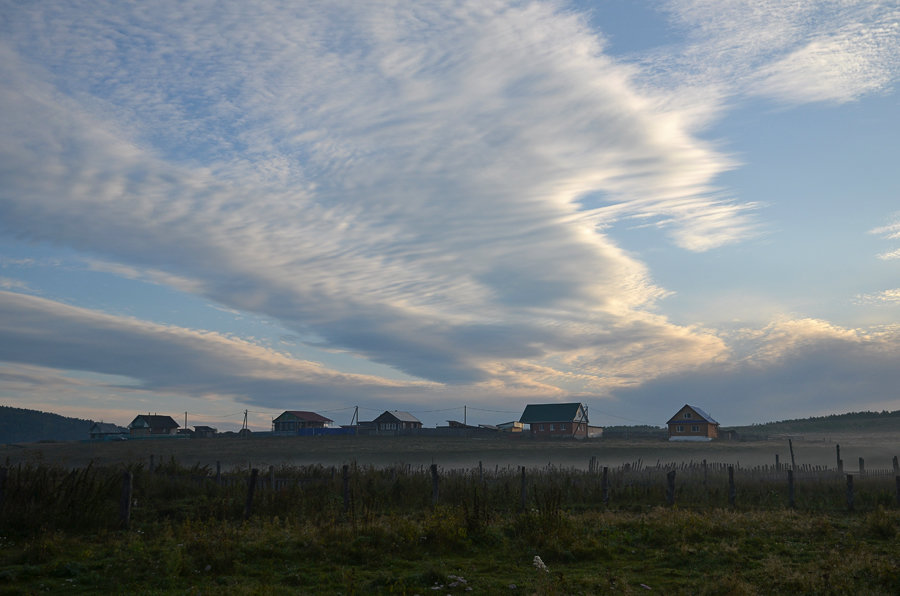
(687, 414)
(563, 426)
(679, 429)
(695, 428)
(552, 427)
(540, 427)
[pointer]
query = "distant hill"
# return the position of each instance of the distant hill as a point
(18, 425)
(852, 422)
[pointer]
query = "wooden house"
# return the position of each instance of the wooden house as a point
(107, 431)
(691, 423)
(396, 421)
(293, 421)
(556, 420)
(146, 425)
(204, 432)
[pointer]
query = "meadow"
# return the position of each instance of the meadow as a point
(533, 518)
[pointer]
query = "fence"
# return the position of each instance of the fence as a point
(46, 497)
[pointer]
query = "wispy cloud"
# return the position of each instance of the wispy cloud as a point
(795, 52)
(883, 297)
(409, 189)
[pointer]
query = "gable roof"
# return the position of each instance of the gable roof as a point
(703, 416)
(398, 416)
(535, 413)
(107, 428)
(153, 421)
(306, 416)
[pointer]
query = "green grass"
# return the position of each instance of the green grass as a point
(59, 531)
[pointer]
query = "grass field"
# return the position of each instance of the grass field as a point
(876, 448)
(382, 532)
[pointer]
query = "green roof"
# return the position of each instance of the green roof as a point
(536, 413)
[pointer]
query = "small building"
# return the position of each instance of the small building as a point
(107, 431)
(292, 421)
(556, 420)
(204, 432)
(145, 425)
(511, 427)
(396, 421)
(691, 423)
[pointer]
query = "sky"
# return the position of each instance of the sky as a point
(452, 208)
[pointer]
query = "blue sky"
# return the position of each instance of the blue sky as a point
(431, 205)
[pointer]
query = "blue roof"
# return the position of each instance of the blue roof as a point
(703, 416)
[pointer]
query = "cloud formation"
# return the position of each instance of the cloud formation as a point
(429, 186)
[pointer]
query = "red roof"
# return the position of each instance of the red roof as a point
(307, 416)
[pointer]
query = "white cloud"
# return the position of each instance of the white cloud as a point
(401, 182)
(883, 297)
(796, 52)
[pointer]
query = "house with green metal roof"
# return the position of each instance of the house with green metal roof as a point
(556, 420)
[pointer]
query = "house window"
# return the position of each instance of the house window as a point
(540, 427)
(552, 427)
(687, 414)
(563, 426)
(695, 428)
(679, 429)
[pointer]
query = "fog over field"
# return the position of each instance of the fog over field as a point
(819, 450)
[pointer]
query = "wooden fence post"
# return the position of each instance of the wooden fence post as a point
(345, 491)
(897, 482)
(840, 466)
(152, 467)
(777, 464)
(732, 493)
(248, 507)
(850, 492)
(3, 472)
(862, 466)
(837, 449)
(604, 485)
(670, 487)
(125, 500)
(791, 447)
(434, 484)
(896, 466)
(791, 489)
(522, 491)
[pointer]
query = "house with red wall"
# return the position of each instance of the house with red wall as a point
(691, 423)
(556, 420)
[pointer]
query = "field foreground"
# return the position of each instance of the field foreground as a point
(404, 529)
(662, 551)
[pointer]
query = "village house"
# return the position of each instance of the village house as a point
(204, 432)
(396, 421)
(556, 420)
(691, 423)
(145, 425)
(293, 421)
(107, 431)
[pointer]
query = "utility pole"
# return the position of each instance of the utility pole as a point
(464, 416)
(185, 419)
(245, 421)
